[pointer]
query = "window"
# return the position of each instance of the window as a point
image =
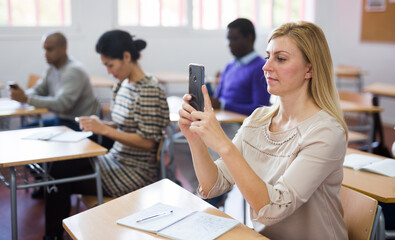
(208, 14)
(35, 13)
(152, 13)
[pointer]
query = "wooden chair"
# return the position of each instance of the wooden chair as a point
(359, 214)
(91, 200)
(32, 80)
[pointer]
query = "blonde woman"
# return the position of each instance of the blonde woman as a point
(287, 160)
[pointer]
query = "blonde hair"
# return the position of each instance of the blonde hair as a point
(311, 41)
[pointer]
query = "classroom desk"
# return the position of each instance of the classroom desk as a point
(349, 72)
(17, 151)
(166, 77)
(380, 90)
(98, 81)
(171, 77)
(352, 107)
(11, 108)
(100, 222)
(379, 187)
(376, 186)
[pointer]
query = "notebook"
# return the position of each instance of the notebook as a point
(59, 136)
(179, 223)
(370, 164)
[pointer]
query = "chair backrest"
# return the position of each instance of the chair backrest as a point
(32, 81)
(359, 213)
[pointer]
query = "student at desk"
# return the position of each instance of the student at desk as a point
(64, 89)
(242, 86)
(287, 160)
(140, 112)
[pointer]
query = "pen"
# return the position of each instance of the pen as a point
(155, 216)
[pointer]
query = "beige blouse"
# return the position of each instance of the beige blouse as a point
(303, 171)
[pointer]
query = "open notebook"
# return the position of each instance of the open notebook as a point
(180, 223)
(58, 136)
(370, 164)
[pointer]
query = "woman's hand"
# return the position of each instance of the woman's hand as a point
(93, 124)
(186, 118)
(207, 127)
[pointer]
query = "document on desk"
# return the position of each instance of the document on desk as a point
(59, 136)
(370, 164)
(180, 223)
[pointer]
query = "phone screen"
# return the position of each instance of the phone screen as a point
(196, 81)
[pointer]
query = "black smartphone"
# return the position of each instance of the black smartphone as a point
(196, 81)
(12, 85)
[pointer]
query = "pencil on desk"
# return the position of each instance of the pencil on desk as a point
(155, 216)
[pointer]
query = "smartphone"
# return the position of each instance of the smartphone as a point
(12, 85)
(196, 81)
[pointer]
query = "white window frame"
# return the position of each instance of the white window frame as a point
(32, 32)
(188, 29)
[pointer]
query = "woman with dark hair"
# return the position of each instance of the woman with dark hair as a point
(139, 110)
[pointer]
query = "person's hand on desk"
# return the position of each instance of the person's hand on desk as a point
(93, 124)
(203, 125)
(17, 94)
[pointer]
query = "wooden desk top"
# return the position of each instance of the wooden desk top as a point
(11, 108)
(98, 81)
(379, 187)
(348, 71)
(348, 106)
(175, 77)
(382, 89)
(17, 151)
(100, 222)
(171, 77)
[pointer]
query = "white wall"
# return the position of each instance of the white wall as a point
(341, 22)
(174, 49)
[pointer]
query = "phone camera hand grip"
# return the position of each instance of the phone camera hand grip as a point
(193, 102)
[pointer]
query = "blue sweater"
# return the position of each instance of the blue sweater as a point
(243, 88)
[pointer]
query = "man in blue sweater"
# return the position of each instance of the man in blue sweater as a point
(242, 84)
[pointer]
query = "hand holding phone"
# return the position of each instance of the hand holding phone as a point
(196, 81)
